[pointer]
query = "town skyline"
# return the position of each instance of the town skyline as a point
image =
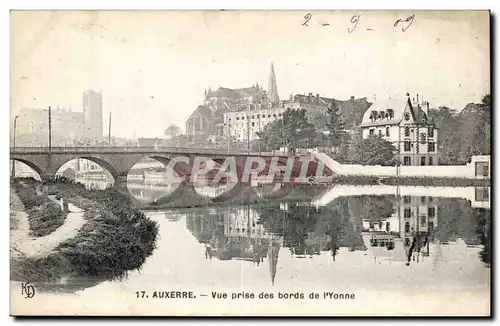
(175, 64)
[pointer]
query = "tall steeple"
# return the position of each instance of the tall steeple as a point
(272, 91)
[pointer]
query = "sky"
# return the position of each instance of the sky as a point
(152, 67)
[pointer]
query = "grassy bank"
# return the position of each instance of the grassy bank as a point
(44, 216)
(115, 239)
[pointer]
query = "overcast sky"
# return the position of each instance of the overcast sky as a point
(153, 67)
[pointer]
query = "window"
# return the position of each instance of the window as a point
(422, 138)
(407, 242)
(422, 200)
(431, 160)
(431, 147)
(407, 146)
(372, 131)
(407, 131)
(243, 118)
(268, 115)
(274, 115)
(422, 160)
(253, 117)
(407, 214)
(380, 132)
(258, 116)
(280, 114)
(237, 118)
(431, 211)
(482, 169)
(406, 160)
(387, 131)
(406, 199)
(482, 194)
(253, 124)
(431, 132)
(407, 116)
(422, 221)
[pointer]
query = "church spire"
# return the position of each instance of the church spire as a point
(272, 91)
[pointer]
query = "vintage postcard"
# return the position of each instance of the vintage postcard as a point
(250, 163)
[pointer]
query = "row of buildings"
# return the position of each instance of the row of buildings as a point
(240, 114)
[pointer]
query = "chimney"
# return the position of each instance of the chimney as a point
(352, 98)
(317, 95)
(425, 106)
(417, 98)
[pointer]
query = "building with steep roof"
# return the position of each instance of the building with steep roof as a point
(407, 125)
(272, 91)
(67, 126)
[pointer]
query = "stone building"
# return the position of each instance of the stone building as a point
(407, 125)
(242, 113)
(67, 126)
(209, 119)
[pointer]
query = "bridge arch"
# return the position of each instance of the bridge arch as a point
(30, 164)
(103, 164)
(149, 182)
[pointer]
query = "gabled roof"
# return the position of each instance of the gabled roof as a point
(201, 111)
(398, 107)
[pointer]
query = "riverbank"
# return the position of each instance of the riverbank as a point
(410, 181)
(113, 238)
(43, 214)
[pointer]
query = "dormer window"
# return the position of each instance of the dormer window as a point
(390, 113)
(382, 114)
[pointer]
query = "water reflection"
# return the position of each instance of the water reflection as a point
(388, 240)
(390, 228)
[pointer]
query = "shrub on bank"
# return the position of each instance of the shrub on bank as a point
(45, 219)
(116, 238)
(44, 216)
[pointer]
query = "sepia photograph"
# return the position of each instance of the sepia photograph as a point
(250, 163)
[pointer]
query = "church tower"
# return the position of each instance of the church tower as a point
(272, 91)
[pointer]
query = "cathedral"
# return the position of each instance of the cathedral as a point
(208, 122)
(240, 114)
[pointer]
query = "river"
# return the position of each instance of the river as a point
(426, 250)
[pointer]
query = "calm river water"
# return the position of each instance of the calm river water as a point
(426, 249)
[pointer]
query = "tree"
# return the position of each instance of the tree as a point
(335, 123)
(172, 131)
(342, 154)
(293, 130)
(475, 129)
(446, 121)
(463, 134)
(372, 151)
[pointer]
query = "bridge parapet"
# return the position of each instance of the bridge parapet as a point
(145, 150)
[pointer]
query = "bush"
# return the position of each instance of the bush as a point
(44, 216)
(45, 219)
(117, 238)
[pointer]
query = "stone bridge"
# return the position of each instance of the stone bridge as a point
(119, 160)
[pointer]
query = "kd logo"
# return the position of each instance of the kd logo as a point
(28, 290)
